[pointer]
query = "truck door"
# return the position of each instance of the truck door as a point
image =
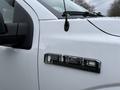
(18, 65)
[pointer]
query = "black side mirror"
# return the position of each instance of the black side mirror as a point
(2, 25)
(12, 34)
(11, 2)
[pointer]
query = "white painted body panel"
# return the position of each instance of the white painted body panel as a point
(18, 68)
(108, 24)
(83, 40)
(114, 88)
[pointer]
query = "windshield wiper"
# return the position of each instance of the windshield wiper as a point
(85, 14)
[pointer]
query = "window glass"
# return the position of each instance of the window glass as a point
(7, 11)
(106, 7)
(59, 6)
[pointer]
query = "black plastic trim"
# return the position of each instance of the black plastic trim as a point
(21, 16)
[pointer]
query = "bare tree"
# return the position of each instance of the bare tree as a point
(85, 5)
(115, 9)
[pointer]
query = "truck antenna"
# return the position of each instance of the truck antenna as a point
(66, 25)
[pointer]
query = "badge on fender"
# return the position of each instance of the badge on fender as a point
(86, 64)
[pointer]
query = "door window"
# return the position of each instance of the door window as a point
(7, 11)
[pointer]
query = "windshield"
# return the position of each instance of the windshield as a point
(106, 7)
(59, 6)
(109, 8)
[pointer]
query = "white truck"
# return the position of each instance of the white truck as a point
(57, 45)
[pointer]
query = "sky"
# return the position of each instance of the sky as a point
(101, 5)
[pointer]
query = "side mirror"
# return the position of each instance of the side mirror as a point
(12, 34)
(2, 25)
(11, 2)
